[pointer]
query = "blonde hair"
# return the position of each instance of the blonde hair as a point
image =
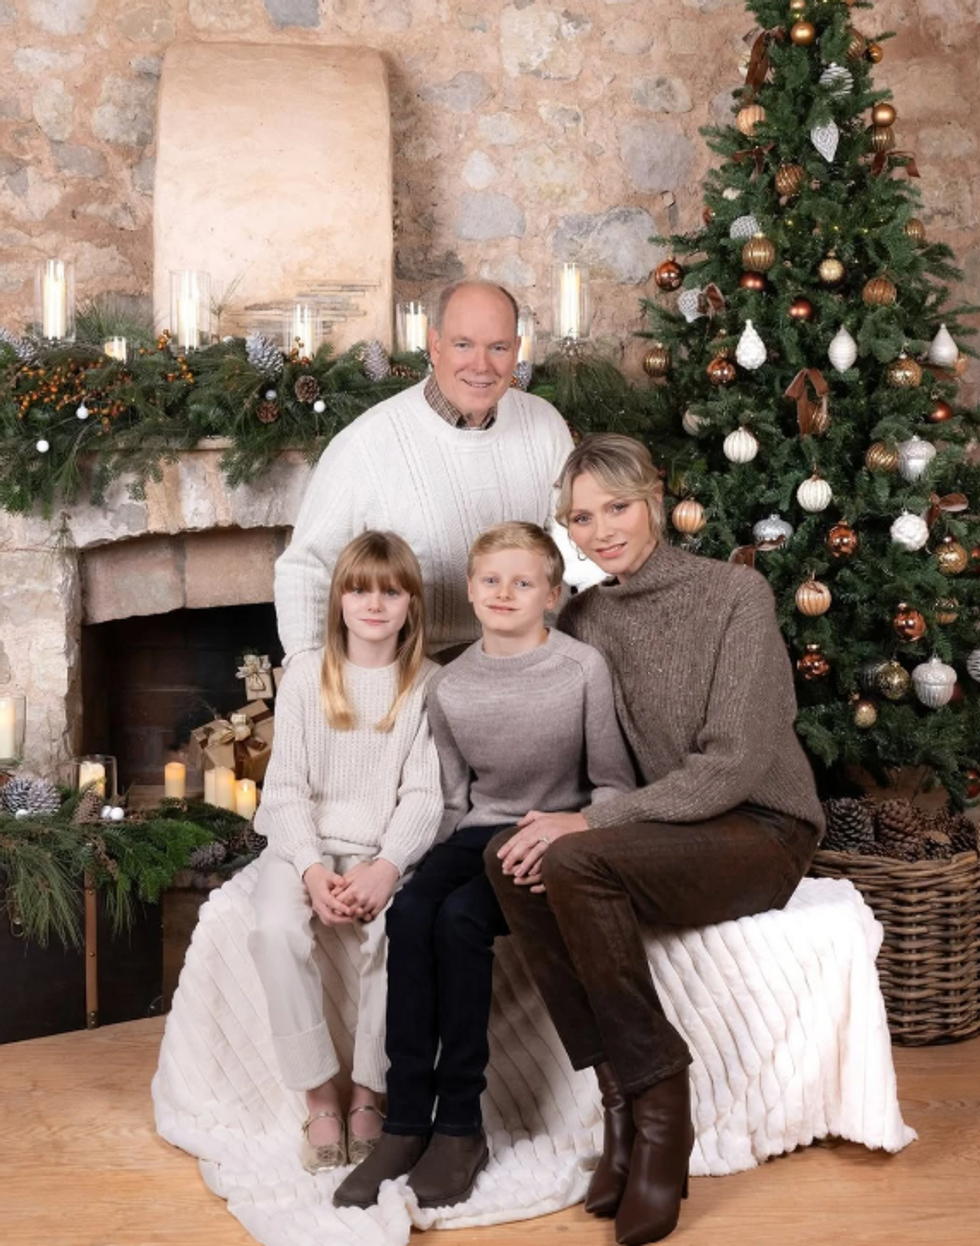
(622, 465)
(373, 560)
(519, 535)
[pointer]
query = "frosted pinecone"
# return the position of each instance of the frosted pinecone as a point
(377, 365)
(523, 373)
(263, 354)
(27, 794)
(208, 856)
(25, 348)
(850, 824)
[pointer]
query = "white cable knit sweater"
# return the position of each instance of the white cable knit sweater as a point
(401, 467)
(344, 792)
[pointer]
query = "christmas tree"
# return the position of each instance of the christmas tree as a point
(808, 419)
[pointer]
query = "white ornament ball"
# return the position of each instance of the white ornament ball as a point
(943, 351)
(751, 349)
(42, 446)
(105, 811)
(910, 531)
(270, 395)
(772, 528)
(933, 682)
(744, 227)
(814, 494)
(842, 350)
(740, 446)
(731, 193)
(82, 411)
(691, 423)
(973, 664)
(117, 814)
(914, 456)
(837, 79)
(689, 304)
(319, 406)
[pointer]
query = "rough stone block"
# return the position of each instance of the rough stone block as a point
(484, 216)
(229, 568)
(132, 578)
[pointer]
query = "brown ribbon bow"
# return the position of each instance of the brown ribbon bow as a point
(797, 390)
(711, 300)
(883, 159)
(951, 503)
(753, 153)
(252, 744)
(758, 68)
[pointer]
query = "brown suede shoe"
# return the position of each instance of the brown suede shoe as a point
(447, 1172)
(609, 1179)
(395, 1155)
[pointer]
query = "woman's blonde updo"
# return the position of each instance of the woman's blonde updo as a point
(622, 466)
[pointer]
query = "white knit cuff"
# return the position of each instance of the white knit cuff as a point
(304, 857)
(370, 1061)
(306, 1060)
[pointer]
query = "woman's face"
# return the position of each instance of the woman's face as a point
(615, 533)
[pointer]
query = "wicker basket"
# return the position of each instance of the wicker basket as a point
(929, 963)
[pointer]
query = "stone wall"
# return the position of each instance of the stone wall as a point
(523, 130)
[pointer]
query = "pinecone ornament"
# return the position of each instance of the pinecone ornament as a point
(307, 389)
(899, 830)
(267, 412)
(246, 842)
(376, 363)
(29, 796)
(24, 348)
(850, 824)
(89, 808)
(263, 354)
(523, 373)
(208, 856)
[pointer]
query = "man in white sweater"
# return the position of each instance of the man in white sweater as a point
(438, 464)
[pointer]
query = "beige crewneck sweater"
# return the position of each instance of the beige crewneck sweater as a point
(358, 791)
(704, 691)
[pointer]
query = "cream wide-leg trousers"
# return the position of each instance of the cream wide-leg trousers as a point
(282, 945)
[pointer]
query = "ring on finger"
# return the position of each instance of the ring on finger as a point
(543, 840)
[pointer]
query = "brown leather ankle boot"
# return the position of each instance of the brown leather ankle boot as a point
(651, 1202)
(609, 1179)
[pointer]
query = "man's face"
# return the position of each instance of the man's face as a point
(473, 357)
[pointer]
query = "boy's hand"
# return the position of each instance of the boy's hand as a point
(368, 887)
(521, 855)
(322, 886)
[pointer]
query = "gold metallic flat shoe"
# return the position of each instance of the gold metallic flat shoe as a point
(358, 1149)
(326, 1156)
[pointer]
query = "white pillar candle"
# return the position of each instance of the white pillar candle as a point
(569, 301)
(209, 787)
(175, 780)
(245, 798)
(303, 335)
(92, 773)
(115, 348)
(224, 787)
(8, 729)
(54, 300)
(525, 329)
(188, 305)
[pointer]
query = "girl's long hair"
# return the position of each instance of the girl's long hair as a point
(373, 560)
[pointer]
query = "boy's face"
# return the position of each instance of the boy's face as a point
(509, 592)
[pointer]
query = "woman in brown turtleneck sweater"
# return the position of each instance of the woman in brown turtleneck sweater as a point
(724, 821)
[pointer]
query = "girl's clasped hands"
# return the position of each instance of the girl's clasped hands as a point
(358, 895)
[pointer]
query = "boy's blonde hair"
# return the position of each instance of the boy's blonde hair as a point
(622, 465)
(373, 560)
(519, 535)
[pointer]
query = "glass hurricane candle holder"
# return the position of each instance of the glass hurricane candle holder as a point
(303, 329)
(190, 309)
(115, 348)
(571, 304)
(525, 331)
(97, 771)
(13, 721)
(411, 326)
(54, 300)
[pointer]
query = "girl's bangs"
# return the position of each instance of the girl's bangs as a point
(369, 574)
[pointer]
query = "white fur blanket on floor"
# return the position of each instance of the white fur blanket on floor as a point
(782, 1011)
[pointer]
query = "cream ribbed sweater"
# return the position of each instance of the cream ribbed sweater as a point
(704, 691)
(401, 467)
(343, 792)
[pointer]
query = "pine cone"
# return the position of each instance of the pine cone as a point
(27, 794)
(899, 829)
(267, 412)
(376, 363)
(208, 856)
(850, 824)
(89, 808)
(24, 348)
(961, 831)
(263, 354)
(936, 845)
(246, 842)
(307, 389)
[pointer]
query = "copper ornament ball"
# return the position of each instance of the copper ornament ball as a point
(831, 270)
(865, 714)
(688, 517)
(940, 412)
(758, 254)
(789, 179)
(972, 784)
(875, 53)
(752, 281)
(669, 275)
(857, 46)
(908, 624)
(747, 118)
(656, 362)
(842, 541)
(882, 138)
(707, 214)
(721, 371)
(813, 598)
(813, 664)
(879, 292)
(883, 114)
(803, 33)
(801, 309)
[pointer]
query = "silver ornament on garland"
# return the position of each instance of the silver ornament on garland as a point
(29, 796)
(933, 682)
(377, 365)
(744, 227)
(263, 354)
(825, 139)
(689, 304)
(910, 531)
(914, 456)
(25, 348)
(837, 79)
(772, 530)
(523, 373)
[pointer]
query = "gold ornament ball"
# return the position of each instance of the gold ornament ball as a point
(813, 665)
(903, 373)
(752, 281)
(656, 362)
(668, 275)
(688, 517)
(758, 254)
(875, 53)
(858, 45)
(747, 118)
(803, 33)
(842, 541)
(721, 371)
(882, 138)
(865, 714)
(883, 114)
(813, 598)
(789, 179)
(879, 292)
(797, 7)
(893, 681)
(908, 624)
(880, 457)
(947, 611)
(951, 556)
(940, 413)
(800, 309)
(915, 230)
(831, 270)
(819, 414)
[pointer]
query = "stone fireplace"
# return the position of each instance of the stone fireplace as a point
(121, 622)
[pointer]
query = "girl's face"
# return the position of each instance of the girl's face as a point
(615, 533)
(374, 617)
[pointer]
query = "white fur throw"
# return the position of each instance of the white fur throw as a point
(783, 1013)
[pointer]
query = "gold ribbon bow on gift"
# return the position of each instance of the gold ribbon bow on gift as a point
(219, 732)
(253, 670)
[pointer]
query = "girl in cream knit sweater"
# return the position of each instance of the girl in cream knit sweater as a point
(351, 802)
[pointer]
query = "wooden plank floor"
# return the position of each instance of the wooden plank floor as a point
(80, 1165)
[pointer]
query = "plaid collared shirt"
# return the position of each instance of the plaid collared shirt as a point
(452, 415)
